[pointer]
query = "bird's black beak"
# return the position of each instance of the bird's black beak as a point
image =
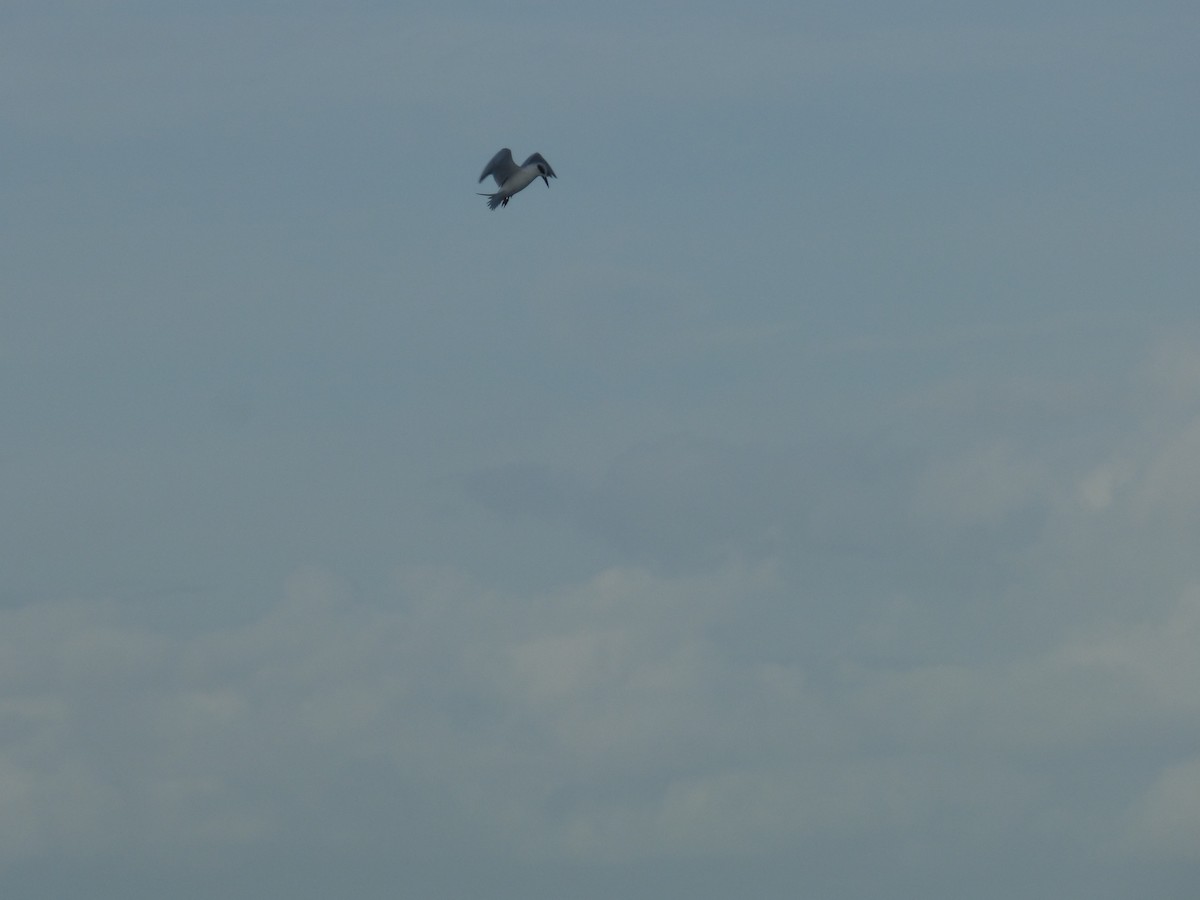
(547, 180)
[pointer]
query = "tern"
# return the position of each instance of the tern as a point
(512, 178)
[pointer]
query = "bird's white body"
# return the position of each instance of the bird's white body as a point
(524, 176)
(513, 179)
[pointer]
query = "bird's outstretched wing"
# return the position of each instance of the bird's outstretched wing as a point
(500, 167)
(536, 158)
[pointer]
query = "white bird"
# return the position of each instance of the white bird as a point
(512, 178)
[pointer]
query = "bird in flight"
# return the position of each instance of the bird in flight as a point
(512, 178)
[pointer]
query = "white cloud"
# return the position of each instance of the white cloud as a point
(724, 706)
(1170, 482)
(1098, 487)
(607, 720)
(1165, 821)
(981, 486)
(1157, 656)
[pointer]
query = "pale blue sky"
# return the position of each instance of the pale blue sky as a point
(800, 498)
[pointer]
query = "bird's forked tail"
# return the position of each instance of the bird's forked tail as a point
(496, 199)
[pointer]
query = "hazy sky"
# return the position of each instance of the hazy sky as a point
(800, 498)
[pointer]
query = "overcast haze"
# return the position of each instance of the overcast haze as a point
(800, 498)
